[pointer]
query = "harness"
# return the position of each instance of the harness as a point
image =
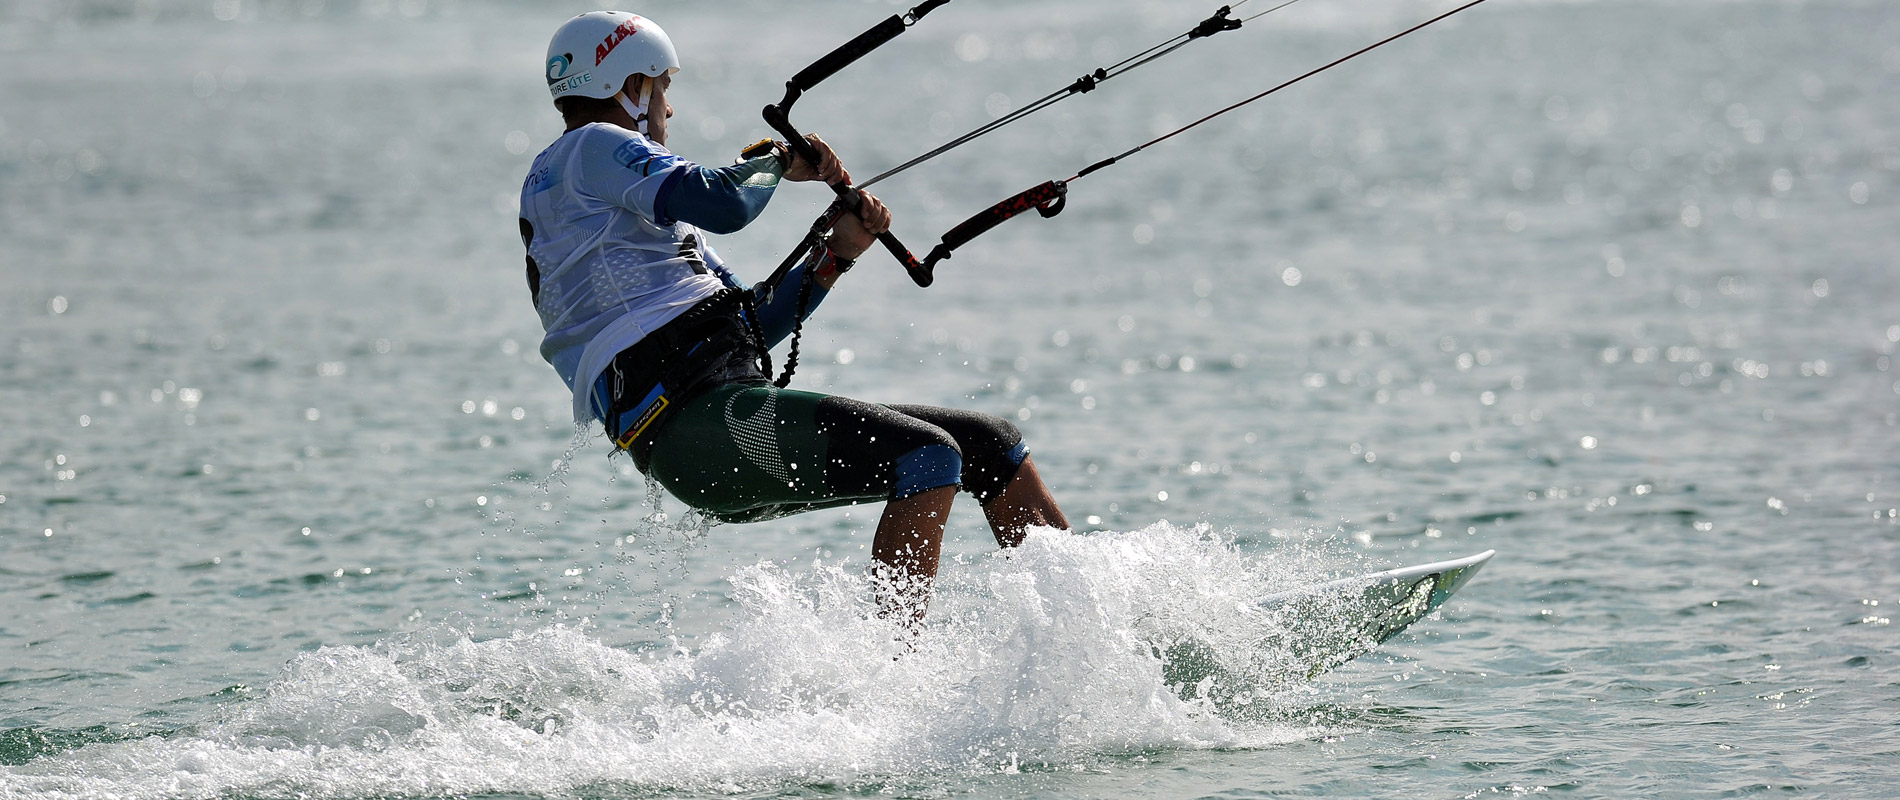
(714, 343)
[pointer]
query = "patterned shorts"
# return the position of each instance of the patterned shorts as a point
(744, 452)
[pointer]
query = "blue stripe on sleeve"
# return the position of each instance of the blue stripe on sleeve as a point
(661, 216)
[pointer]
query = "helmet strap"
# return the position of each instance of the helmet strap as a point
(637, 108)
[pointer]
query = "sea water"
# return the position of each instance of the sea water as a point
(290, 506)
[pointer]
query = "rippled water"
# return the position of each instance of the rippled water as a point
(289, 505)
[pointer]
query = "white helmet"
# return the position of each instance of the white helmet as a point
(592, 54)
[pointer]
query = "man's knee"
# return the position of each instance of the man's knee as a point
(993, 451)
(932, 466)
(878, 449)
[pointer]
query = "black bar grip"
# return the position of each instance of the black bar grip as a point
(1047, 199)
(775, 116)
(920, 273)
(923, 8)
(843, 56)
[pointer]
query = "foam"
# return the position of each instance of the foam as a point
(1047, 655)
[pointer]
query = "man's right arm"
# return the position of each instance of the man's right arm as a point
(632, 172)
(721, 200)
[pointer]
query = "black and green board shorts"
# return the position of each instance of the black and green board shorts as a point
(749, 451)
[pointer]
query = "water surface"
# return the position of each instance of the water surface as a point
(290, 506)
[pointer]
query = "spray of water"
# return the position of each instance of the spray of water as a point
(1067, 649)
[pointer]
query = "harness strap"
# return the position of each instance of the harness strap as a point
(646, 383)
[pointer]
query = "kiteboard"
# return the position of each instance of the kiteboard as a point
(1329, 624)
(1296, 635)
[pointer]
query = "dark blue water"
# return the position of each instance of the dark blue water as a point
(289, 505)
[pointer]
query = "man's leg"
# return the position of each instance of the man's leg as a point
(910, 534)
(997, 470)
(1024, 502)
(908, 543)
(742, 453)
(755, 452)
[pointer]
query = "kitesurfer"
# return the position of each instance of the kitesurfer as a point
(659, 341)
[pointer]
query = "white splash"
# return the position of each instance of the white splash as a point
(1049, 655)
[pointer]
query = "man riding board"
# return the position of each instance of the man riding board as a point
(661, 343)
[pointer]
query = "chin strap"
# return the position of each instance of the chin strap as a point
(637, 109)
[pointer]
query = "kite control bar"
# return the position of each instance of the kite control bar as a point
(778, 116)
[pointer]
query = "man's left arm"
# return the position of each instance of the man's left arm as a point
(853, 234)
(778, 312)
